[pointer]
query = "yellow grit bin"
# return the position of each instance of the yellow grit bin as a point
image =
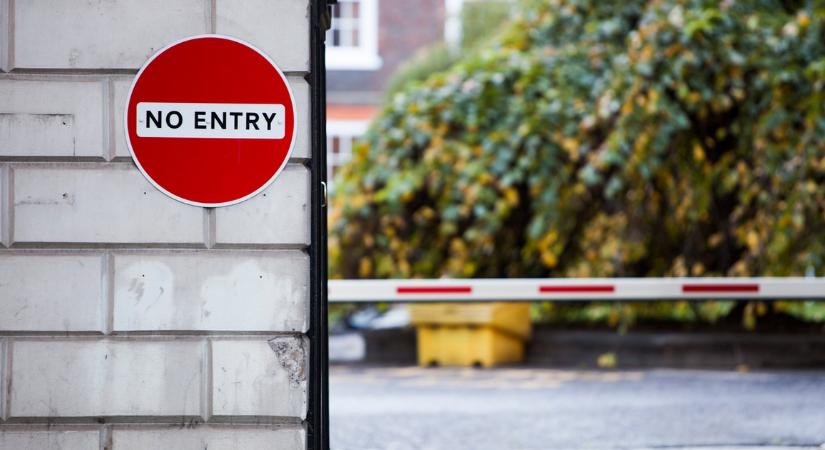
(471, 334)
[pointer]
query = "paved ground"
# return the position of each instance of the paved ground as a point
(413, 408)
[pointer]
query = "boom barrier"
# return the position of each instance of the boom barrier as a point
(575, 289)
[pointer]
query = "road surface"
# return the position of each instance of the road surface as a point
(416, 408)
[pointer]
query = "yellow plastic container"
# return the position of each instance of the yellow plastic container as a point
(468, 334)
(459, 345)
(513, 318)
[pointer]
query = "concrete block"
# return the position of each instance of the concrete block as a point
(254, 378)
(51, 292)
(212, 290)
(75, 34)
(110, 203)
(21, 439)
(217, 438)
(54, 118)
(120, 90)
(279, 29)
(5, 31)
(5, 205)
(303, 143)
(4, 368)
(278, 215)
(80, 378)
(300, 92)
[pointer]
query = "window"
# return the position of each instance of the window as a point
(341, 134)
(352, 40)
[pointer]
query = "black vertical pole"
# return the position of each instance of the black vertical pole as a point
(317, 425)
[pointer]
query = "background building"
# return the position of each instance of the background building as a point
(368, 41)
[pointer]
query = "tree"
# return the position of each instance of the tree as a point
(602, 138)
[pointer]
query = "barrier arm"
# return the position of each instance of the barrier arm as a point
(575, 289)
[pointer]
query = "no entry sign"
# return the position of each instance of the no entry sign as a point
(210, 120)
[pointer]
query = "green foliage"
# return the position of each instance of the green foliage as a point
(424, 63)
(602, 138)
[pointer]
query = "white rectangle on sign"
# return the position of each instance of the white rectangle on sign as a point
(210, 120)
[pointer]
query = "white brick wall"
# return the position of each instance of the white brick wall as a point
(125, 315)
(101, 35)
(136, 30)
(142, 437)
(120, 91)
(47, 118)
(51, 292)
(110, 203)
(253, 291)
(21, 439)
(106, 378)
(5, 30)
(250, 379)
(300, 91)
(4, 383)
(280, 29)
(209, 438)
(5, 200)
(261, 220)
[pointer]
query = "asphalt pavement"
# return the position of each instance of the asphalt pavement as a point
(403, 408)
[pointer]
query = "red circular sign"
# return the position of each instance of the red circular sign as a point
(210, 120)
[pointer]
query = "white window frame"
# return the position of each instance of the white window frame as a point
(350, 129)
(365, 56)
(452, 24)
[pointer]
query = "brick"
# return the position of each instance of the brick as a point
(51, 292)
(402, 31)
(110, 203)
(300, 92)
(279, 29)
(278, 215)
(133, 31)
(49, 440)
(200, 438)
(212, 290)
(5, 24)
(251, 379)
(4, 345)
(54, 118)
(5, 200)
(105, 378)
(120, 89)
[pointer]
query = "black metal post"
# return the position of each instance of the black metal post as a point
(317, 424)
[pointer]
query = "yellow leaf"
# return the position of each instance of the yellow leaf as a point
(365, 267)
(698, 153)
(511, 196)
(571, 146)
(752, 240)
(549, 259)
(803, 19)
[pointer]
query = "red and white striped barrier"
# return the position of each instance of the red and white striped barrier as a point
(572, 289)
